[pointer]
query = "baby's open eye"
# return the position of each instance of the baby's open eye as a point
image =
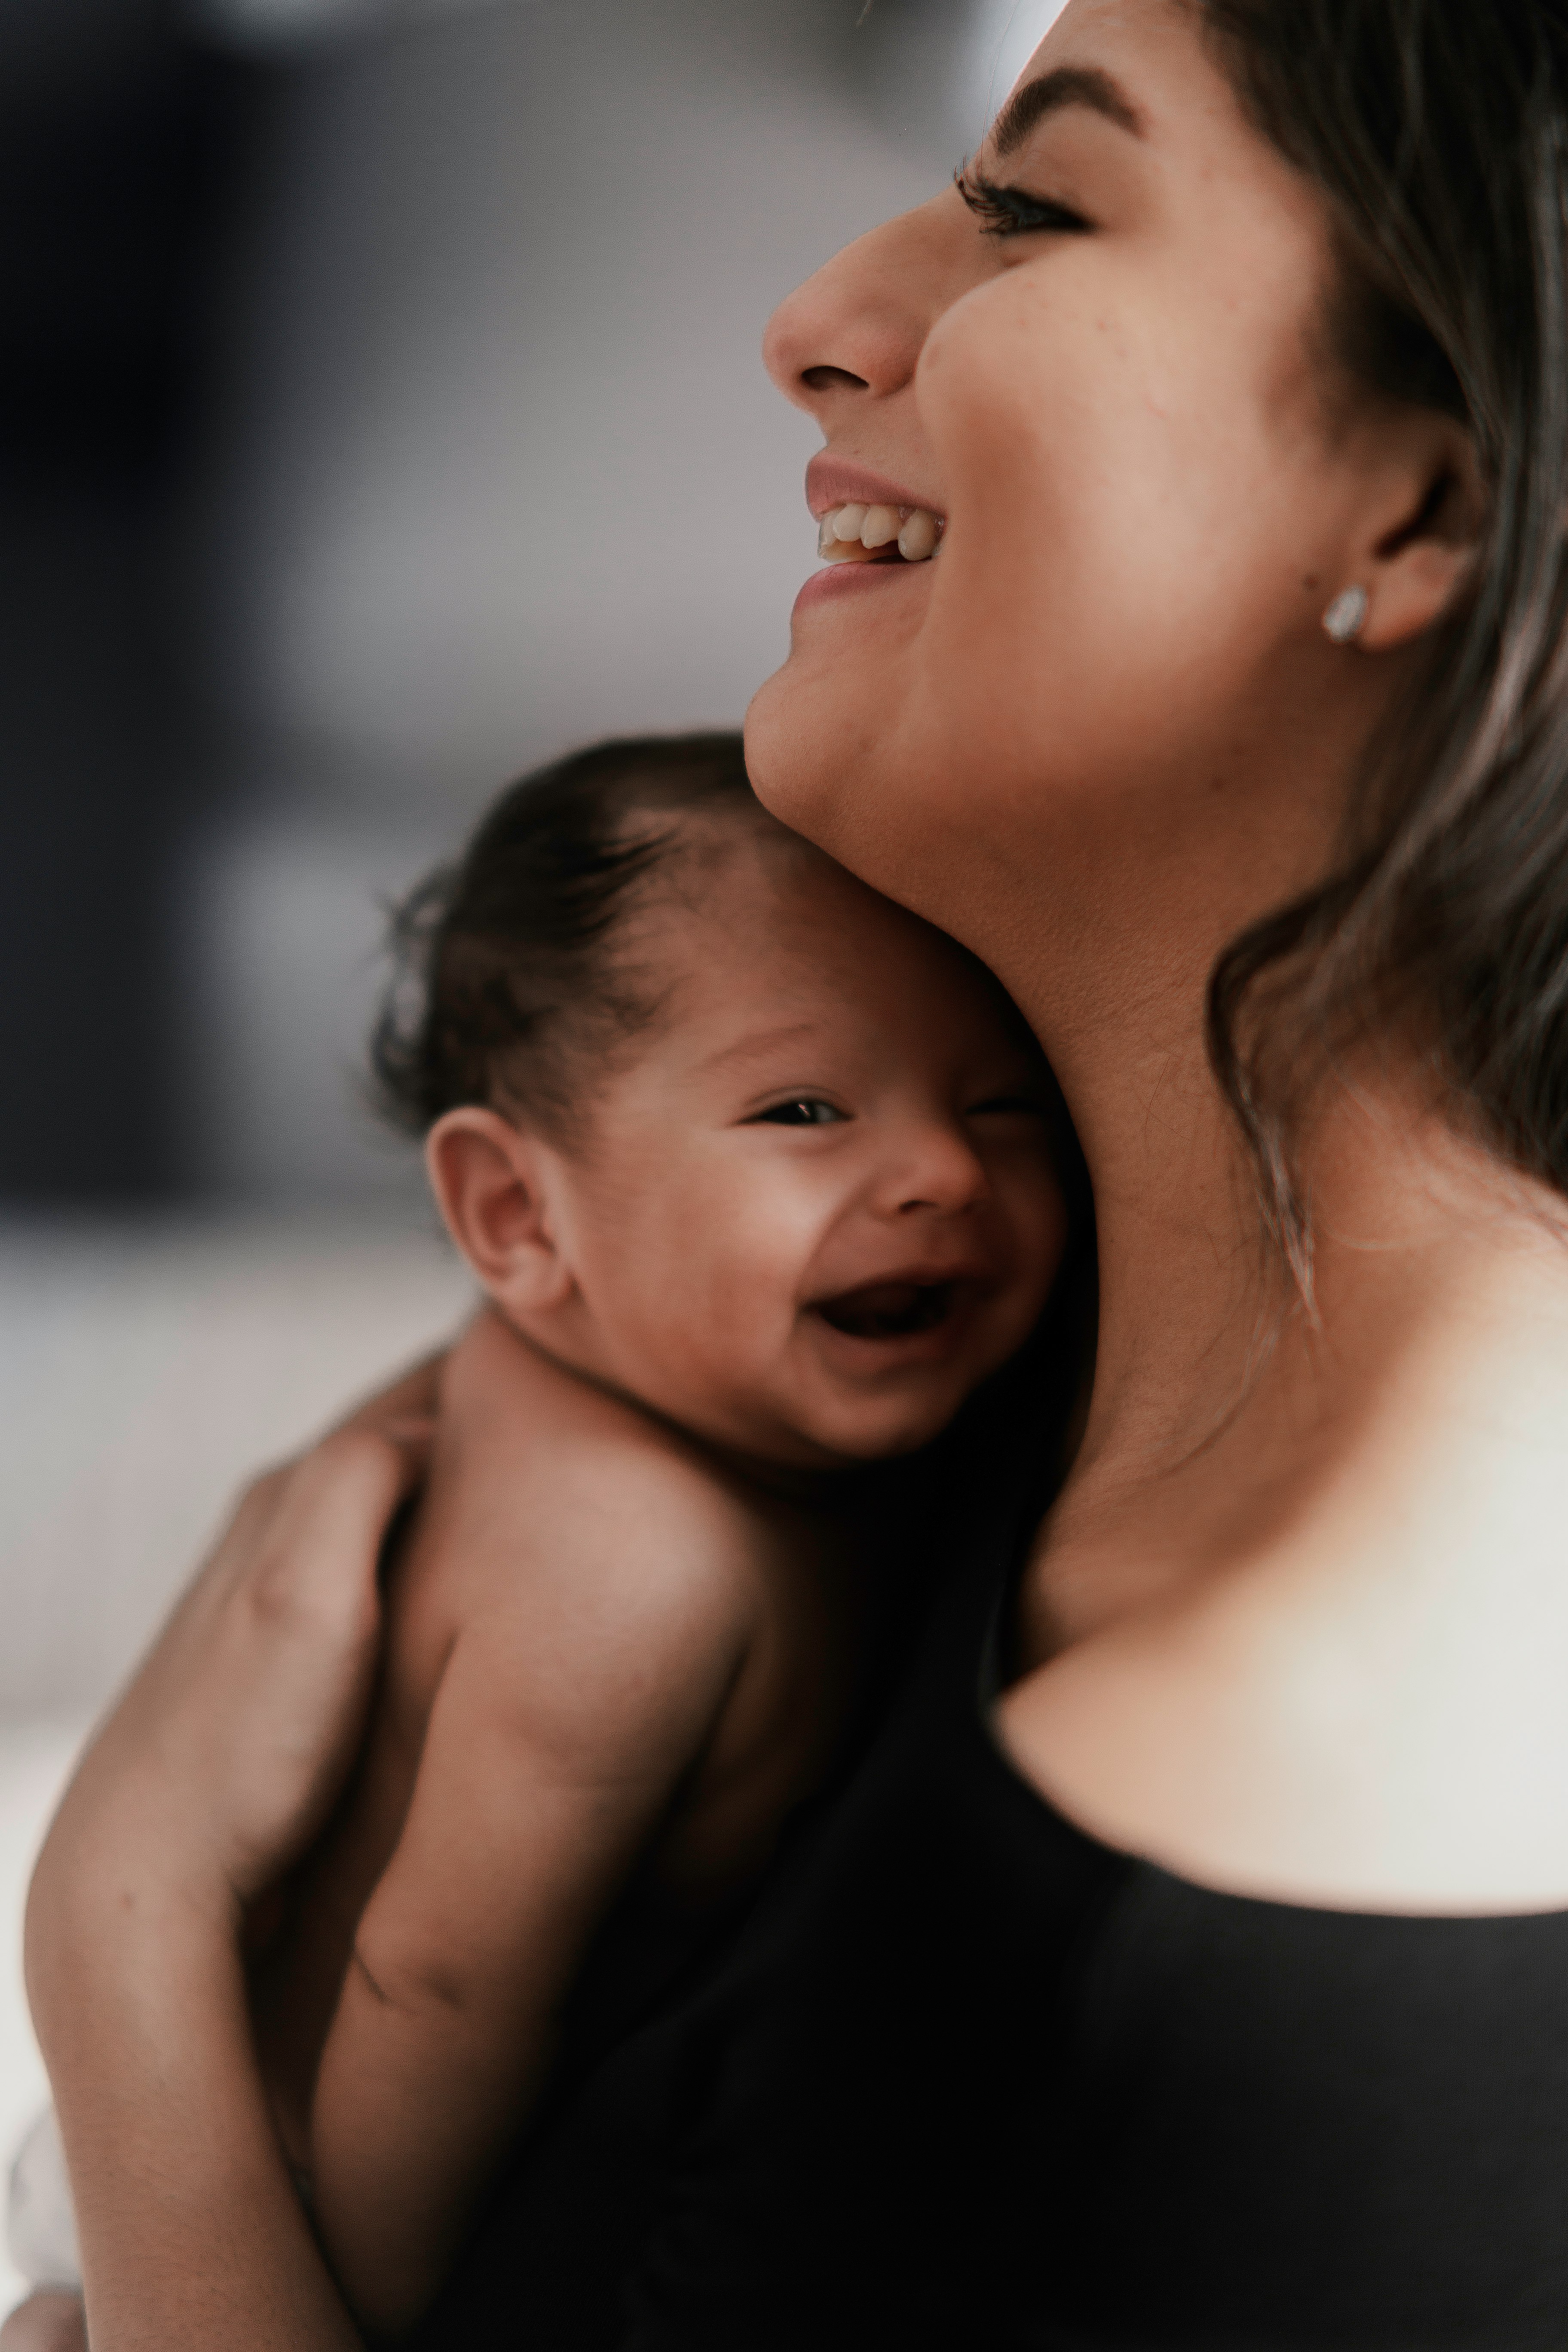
(806, 1110)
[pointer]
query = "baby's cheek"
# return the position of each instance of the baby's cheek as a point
(1036, 1213)
(723, 1311)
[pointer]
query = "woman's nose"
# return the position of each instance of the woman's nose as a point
(860, 325)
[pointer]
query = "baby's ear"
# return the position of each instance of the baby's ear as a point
(493, 1185)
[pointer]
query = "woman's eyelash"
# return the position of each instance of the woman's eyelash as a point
(1013, 212)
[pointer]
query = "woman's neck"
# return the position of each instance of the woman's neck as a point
(1182, 1274)
(1226, 1417)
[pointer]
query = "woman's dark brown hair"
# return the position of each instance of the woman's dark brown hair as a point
(1439, 130)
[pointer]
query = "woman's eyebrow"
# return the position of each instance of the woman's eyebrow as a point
(1069, 86)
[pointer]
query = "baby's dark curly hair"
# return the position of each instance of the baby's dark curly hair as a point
(505, 982)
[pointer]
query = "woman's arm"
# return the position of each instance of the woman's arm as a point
(210, 1777)
(192, 2233)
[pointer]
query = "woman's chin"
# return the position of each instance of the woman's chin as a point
(822, 733)
(806, 757)
(839, 756)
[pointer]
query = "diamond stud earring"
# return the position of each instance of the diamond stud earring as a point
(1346, 617)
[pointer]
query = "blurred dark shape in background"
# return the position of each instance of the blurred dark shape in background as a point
(118, 141)
(379, 412)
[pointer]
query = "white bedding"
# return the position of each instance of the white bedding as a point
(144, 1370)
(35, 1760)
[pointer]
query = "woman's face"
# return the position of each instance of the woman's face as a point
(1112, 392)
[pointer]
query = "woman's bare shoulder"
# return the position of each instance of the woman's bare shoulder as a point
(1270, 1737)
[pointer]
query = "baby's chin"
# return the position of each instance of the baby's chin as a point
(822, 1441)
(861, 1437)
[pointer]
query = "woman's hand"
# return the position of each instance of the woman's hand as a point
(209, 1778)
(221, 1761)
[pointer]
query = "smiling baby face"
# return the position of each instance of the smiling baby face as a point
(818, 1205)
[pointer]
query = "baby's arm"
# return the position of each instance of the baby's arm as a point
(559, 1735)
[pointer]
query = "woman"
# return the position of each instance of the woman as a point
(1219, 1998)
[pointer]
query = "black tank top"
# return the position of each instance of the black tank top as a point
(962, 2076)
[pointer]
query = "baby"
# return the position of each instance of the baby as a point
(754, 1170)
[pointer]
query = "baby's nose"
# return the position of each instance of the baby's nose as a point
(940, 1171)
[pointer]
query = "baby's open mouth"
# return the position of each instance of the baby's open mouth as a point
(862, 534)
(890, 1311)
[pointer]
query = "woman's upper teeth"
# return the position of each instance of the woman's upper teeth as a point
(853, 533)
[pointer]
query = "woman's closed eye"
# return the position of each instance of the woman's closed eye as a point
(1013, 212)
(801, 1111)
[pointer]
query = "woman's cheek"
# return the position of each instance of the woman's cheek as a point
(1031, 465)
(1061, 403)
(1096, 565)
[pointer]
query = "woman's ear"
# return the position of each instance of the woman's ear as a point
(496, 1186)
(1424, 545)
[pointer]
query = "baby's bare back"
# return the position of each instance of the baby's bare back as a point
(600, 1648)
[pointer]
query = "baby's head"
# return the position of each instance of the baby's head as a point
(715, 1124)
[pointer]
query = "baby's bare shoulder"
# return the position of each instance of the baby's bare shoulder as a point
(613, 1632)
(555, 1501)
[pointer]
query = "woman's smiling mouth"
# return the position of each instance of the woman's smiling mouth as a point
(867, 517)
(862, 534)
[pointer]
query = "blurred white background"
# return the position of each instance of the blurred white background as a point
(381, 413)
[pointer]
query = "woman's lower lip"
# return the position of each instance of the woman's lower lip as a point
(837, 580)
